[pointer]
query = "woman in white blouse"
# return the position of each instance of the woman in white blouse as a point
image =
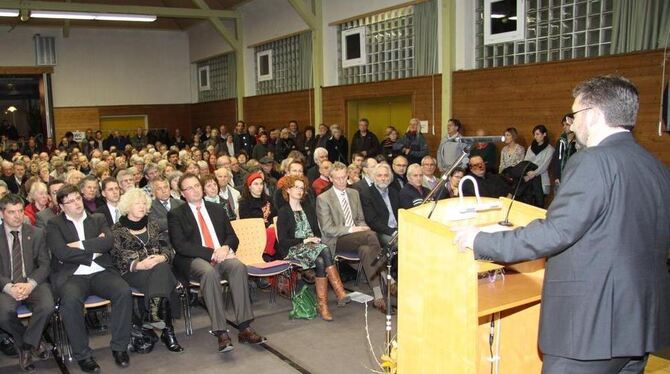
(512, 153)
(540, 153)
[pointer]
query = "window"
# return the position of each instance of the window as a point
(353, 47)
(220, 74)
(203, 78)
(264, 65)
(502, 21)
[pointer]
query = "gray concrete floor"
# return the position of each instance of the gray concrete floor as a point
(316, 346)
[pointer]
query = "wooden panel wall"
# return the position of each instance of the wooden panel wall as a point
(526, 95)
(274, 111)
(159, 116)
(426, 102)
(214, 113)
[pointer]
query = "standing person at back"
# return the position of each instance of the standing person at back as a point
(363, 141)
(606, 294)
(412, 145)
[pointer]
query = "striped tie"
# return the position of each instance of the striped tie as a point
(346, 209)
(17, 259)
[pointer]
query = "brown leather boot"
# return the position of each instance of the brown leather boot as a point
(338, 287)
(322, 299)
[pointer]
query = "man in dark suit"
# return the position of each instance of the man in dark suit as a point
(606, 294)
(111, 192)
(81, 266)
(163, 203)
(381, 207)
(8, 176)
(205, 244)
(24, 268)
(363, 185)
(399, 166)
(413, 193)
(44, 215)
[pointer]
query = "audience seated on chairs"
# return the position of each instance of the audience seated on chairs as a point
(399, 165)
(322, 182)
(363, 185)
(89, 193)
(300, 242)
(451, 187)
(205, 244)
(294, 168)
(23, 279)
(229, 196)
(111, 192)
(143, 256)
(414, 192)
(38, 196)
(343, 228)
(512, 153)
(320, 155)
(429, 166)
(46, 214)
(490, 185)
(381, 209)
(255, 203)
(81, 266)
(162, 203)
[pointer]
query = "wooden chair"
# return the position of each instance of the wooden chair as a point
(252, 235)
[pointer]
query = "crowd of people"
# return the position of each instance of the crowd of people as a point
(148, 211)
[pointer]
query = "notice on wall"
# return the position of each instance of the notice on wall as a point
(78, 136)
(424, 127)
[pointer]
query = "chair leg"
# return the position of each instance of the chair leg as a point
(186, 309)
(359, 270)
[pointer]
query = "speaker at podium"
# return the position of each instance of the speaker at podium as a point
(459, 315)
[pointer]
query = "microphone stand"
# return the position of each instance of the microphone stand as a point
(506, 222)
(391, 249)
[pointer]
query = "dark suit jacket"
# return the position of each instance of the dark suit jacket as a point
(185, 234)
(35, 255)
(286, 226)
(363, 189)
(65, 260)
(606, 286)
(376, 213)
(410, 196)
(12, 186)
(104, 210)
(159, 214)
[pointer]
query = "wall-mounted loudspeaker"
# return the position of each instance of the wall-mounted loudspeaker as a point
(45, 50)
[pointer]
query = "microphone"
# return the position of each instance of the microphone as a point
(506, 222)
(481, 139)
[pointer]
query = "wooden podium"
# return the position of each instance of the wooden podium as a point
(445, 310)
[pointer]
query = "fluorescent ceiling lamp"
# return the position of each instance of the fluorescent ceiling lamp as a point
(497, 16)
(92, 16)
(9, 13)
(12, 109)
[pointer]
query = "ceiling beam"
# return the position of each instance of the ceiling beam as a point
(66, 26)
(305, 13)
(125, 9)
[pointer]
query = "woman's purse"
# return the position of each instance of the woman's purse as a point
(304, 304)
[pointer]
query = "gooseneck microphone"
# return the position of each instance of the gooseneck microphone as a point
(481, 139)
(506, 222)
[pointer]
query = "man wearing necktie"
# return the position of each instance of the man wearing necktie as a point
(112, 194)
(205, 243)
(24, 268)
(343, 228)
(163, 203)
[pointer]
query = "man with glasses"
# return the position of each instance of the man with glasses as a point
(606, 294)
(81, 266)
(489, 184)
(205, 244)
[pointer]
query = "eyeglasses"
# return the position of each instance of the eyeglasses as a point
(570, 117)
(190, 188)
(477, 165)
(78, 198)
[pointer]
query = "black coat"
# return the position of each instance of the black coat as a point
(375, 210)
(185, 234)
(368, 144)
(338, 149)
(410, 197)
(286, 226)
(65, 260)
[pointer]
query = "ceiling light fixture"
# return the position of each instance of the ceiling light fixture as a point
(9, 13)
(92, 16)
(12, 109)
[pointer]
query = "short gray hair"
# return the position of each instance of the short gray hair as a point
(318, 152)
(614, 95)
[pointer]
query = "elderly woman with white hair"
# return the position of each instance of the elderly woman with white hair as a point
(143, 256)
(38, 196)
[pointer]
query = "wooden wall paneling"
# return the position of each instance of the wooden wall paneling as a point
(214, 113)
(426, 102)
(526, 95)
(275, 110)
(75, 119)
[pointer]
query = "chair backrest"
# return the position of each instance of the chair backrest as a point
(274, 223)
(252, 235)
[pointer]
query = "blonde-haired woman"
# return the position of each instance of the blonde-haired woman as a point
(143, 257)
(38, 196)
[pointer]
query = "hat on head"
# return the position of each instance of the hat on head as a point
(253, 176)
(266, 160)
